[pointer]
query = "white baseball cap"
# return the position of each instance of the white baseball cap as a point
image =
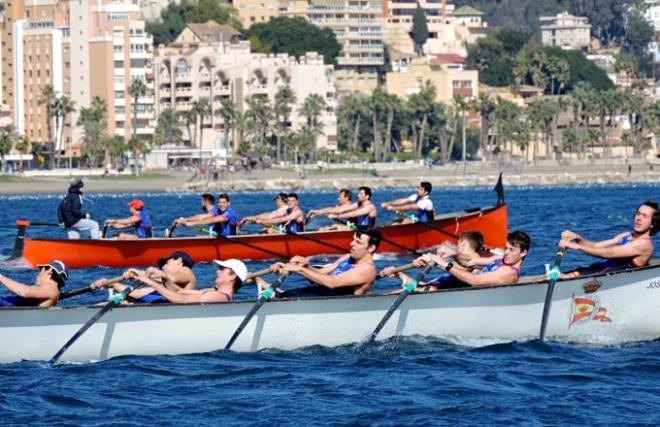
(234, 265)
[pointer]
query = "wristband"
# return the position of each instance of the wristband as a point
(449, 267)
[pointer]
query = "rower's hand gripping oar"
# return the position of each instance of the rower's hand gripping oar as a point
(88, 288)
(407, 290)
(553, 276)
(265, 296)
(116, 300)
(171, 232)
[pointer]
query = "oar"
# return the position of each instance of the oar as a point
(553, 276)
(305, 237)
(88, 288)
(240, 242)
(383, 239)
(171, 232)
(252, 276)
(265, 296)
(104, 231)
(407, 290)
(431, 226)
(116, 299)
(396, 270)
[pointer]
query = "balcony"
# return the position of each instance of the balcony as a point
(362, 35)
(363, 48)
(222, 90)
(371, 60)
(344, 22)
(344, 9)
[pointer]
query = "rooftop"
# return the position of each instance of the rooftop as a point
(212, 32)
(467, 11)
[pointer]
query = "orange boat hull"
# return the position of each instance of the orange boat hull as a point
(492, 222)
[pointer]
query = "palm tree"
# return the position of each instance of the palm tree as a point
(201, 108)
(136, 90)
(228, 112)
(420, 105)
(23, 146)
(485, 105)
(137, 147)
(541, 113)
(94, 121)
(558, 71)
(189, 118)
(48, 96)
(168, 129)
(63, 107)
(390, 104)
(352, 108)
(284, 100)
(259, 117)
(311, 108)
(114, 147)
(377, 105)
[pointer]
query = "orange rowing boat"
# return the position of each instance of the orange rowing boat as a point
(492, 222)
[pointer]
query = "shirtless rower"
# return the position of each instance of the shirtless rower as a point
(209, 208)
(351, 274)
(344, 204)
(44, 293)
(174, 272)
(363, 214)
(280, 210)
(419, 203)
(632, 249)
(225, 223)
(138, 219)
(291, 221)
(228, 280)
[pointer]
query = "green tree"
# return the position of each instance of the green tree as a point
(421, 104)
(47, 97)
(259, 118)
(23, 146)
(351, 110)
(228, 113)
(63, 107)
(168, 129)
(136, 90)
(420, 31)
(485, 105)
(201, 108)
(114, 147)
(282, 108)
(6, 142)
(296, 36)
(311, 109)
(137, 147)
(94, 122)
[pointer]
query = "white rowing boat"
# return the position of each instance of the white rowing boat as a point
(603, 309)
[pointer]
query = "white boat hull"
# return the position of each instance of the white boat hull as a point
(622, 308)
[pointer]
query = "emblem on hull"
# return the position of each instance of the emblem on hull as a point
(585, 308)
(592, 286)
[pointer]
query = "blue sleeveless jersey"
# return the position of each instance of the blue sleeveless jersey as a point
(143, 228)
(294, 226)
(321, 291)
(229, 227)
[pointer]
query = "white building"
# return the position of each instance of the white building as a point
(566, 31)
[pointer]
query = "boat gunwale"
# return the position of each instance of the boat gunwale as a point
(653, 264)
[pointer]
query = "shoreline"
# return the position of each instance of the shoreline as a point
(276, 180)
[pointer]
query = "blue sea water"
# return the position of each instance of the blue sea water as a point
(402, 381)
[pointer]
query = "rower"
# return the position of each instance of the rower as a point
(363, 213)
(70, 214)
(174, 273)
(502, 271)
(291, 221)
(224, 224)
(138, 219)
(280, 210)
(632, 249)
(44, 293)
(351, 274)
(419, 203)
(228, 280)
(209, 208)
(344, 204)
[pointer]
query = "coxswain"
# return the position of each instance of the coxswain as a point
(71, 215)
(138, 219)
(229, 278)
(363, 213)
(44, 293)
(225, 223)
(280, 210)
(350, 274)
(419, 206)
(631, 249)
(174, 272)
(292, 219)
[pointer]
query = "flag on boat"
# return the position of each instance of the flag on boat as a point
(585, 309)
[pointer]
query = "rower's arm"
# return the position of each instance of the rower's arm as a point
(284, 218)
(396, 202)
(358, 275)
(27, 291)
(407, 207)
(328, 268)
(364, 210)
(211, 220)
(609, 242)
(501, 276)
(123, 222)
(193, 218)
(631, 250)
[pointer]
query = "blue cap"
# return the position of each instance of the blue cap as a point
(58, 267)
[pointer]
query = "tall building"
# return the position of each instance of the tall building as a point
(566, 31)
(83, 49)
(204, 63)
(653, 13)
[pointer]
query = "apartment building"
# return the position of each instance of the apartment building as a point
(566, 31)
(450, 29)
(448, 82)
(652, 13)
(219, 68)
(83, 49)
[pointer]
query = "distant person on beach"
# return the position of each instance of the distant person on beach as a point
(280, 211)
(224, 223)
(174, 272)
(419, 205)
(229, 278)
(351, 274)
(632, 249)
(70, 214)
(138, 219)
(44, 293)
(292, 220)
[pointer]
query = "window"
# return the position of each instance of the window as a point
(119, 109)
(118, 48)
(119, 94)
(119, 64)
